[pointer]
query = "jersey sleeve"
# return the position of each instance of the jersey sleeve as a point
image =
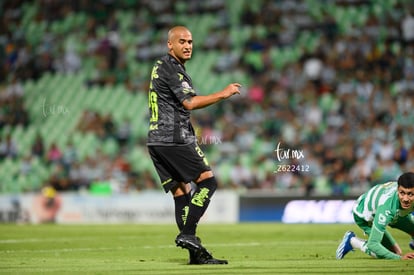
(180, 86)
(382, 218)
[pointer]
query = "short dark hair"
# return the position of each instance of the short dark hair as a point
(406, 180)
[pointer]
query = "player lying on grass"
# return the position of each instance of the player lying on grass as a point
(385, 204)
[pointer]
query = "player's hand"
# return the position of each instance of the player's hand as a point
(231, 89)
(408, 256)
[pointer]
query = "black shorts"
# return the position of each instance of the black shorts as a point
(176, 164)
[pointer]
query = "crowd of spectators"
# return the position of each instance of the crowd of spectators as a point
(344, 104)
(105, 127)
(12, 109)
(69, 172)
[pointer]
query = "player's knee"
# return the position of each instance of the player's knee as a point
(180, 189)
(205, 175)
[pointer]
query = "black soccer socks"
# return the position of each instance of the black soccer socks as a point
(181, 209)
(199, 203)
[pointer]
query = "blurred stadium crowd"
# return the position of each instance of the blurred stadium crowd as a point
(328, 83)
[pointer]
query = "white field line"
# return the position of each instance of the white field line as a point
(44, 240)
(61, 250)
(70, 250)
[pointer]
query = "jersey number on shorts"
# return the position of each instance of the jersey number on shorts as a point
(201, 154)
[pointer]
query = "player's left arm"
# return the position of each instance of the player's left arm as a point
(201, 101)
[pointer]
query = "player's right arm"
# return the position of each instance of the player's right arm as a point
(201, 101)
(382, 218)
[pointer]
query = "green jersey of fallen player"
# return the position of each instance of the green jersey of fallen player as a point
(381, 207)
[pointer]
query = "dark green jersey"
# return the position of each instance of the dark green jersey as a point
(381, 206)
(169, 122)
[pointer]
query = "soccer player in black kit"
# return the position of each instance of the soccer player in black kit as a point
(172, 142)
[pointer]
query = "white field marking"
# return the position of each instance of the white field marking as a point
(62, 250)
(71, 250)
(44, 240)
(250, 244)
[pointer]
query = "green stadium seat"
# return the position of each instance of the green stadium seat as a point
(110, 147)
(22, 184)
(242, 34)
(134, 158)
(36, 182)
(254, 58)
(265, 167)
(9, 185)
(224, 172)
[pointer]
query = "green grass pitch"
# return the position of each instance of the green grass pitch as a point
(250, 248)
